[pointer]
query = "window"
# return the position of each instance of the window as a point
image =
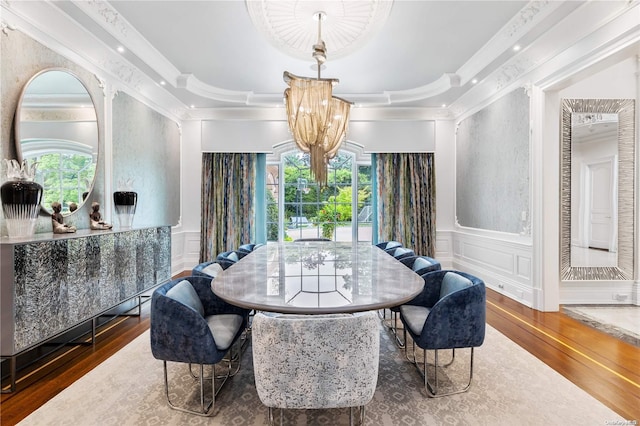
(298, 208)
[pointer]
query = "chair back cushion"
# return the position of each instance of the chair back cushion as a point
(401, 252)
(391, 244)
(315, 361)
(212, 270)
(421, 263)
(453, 282)
(233, 256)
(224, 328)
(184, 293)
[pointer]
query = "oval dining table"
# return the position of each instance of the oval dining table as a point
(317, 277)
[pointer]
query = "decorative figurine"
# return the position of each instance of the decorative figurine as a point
(96, 218)
(57, 221)
(73, 207)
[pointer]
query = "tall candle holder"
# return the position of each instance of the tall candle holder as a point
(21, 198)
(125, 202)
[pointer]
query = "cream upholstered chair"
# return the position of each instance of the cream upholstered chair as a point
(316, 361)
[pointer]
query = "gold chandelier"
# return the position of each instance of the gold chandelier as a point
(318, 120)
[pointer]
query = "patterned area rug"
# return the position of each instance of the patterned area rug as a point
(510, 386)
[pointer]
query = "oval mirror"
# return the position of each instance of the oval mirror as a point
(56, 126)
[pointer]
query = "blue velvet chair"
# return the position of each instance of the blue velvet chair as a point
(389, 245)
(450, 313)
(207, 269)
(420, 265)
(248, 248)
(190, 324)
(401, 252)
(227, 259)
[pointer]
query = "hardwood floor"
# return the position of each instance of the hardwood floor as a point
(605, 367)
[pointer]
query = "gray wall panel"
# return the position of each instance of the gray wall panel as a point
(146, 149)
(492, 166)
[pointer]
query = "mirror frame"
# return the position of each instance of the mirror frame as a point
(17, 138)
(625, 108)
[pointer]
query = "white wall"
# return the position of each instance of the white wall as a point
(615, 82)
(186, 237)
(445, 190)
(373, 135)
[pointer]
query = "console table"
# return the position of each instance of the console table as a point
(51, 283)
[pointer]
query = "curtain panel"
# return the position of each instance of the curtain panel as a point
(228, 202)
(406, 189)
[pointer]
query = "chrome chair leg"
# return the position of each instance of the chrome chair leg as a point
(432, 391)
(270, 416)
(360, 415)
(233, 358)
(205, 411)
(394, 330)
(230, 359)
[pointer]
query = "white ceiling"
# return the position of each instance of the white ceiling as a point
(210, 54)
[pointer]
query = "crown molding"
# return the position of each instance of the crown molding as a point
(357, 114)
(193, 85)
(49, 25)
(598, 31)
(441, 85)
(554, 56)
(525, 21)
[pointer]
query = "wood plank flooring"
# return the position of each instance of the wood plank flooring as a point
(603, 366)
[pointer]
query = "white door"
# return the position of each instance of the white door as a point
(601, 205)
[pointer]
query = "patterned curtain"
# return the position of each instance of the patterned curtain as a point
(407, 200)
(228, 202)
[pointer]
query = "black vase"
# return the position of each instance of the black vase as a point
(125, 204)
(20, 205)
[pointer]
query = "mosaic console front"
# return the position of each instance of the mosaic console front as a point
(53, 284)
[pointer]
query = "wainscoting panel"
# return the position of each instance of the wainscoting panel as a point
(444, 248)
(186, 253)
(503, 261)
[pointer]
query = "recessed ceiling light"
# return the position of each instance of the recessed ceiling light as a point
(516, 47)
(444, 105)
(162, 83)
(192, 106)
(120, 49)
(474, 81)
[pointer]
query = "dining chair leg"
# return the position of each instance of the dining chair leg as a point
(204, 411)
(432, 392)
(395, 331)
